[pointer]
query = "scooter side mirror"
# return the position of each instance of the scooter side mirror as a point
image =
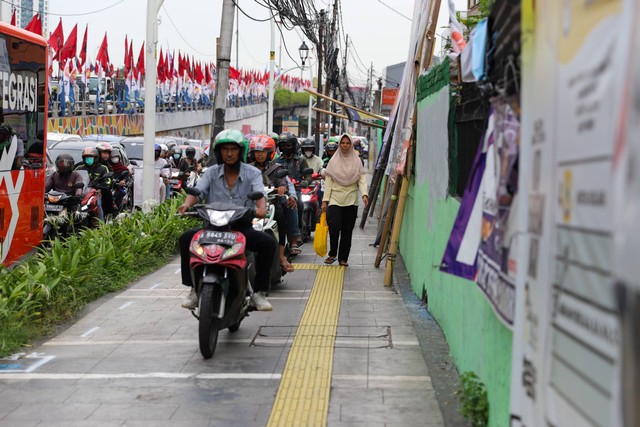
(255, 195)
(307, 171)
(193, 191)
(78, 185)
(281, 173)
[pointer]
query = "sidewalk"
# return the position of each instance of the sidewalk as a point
(133, 359)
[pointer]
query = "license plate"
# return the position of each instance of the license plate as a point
(53, 208)
(218, 238)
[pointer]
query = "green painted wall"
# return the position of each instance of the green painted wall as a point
(478, 341)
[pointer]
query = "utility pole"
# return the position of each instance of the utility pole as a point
(272, 58)
(237, 37)
(330, 50)
(223, 55)
(148, 158)
(320, 57)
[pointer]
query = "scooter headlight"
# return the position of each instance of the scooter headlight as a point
(232, 251)
(219, 218)
(305, 198)
(197, 249)
(53, 199)
(257, 224)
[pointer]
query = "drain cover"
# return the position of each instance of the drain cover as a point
(346, 336)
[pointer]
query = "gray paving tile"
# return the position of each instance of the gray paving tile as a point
(8, 406)
(134, 411)
(51, 412)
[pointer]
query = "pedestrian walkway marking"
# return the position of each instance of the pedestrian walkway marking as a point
(306, 266)
(303, 395)
(90, 331)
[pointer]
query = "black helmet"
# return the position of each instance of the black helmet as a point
(190, 152)
(64, 163)
(287, 143)
(308, 143)
(331, 146)
(176, 152)
(5, 130)
(89, 152)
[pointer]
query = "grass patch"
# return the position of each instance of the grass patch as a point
(51, 286)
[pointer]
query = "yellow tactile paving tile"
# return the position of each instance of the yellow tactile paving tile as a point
(303, 395)
(306, 266)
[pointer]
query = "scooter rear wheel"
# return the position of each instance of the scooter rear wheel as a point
(208, 326)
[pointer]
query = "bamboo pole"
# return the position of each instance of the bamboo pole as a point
(385, 193)
(395, 234)
(387, 223)
(331, 113)
(373, 115)
(424, 60)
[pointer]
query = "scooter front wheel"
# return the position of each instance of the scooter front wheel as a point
(208, 326)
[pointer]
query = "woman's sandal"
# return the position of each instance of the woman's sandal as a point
(330, 260)
(295, 250)
(344, 263)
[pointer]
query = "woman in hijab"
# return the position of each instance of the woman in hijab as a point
(345, 175)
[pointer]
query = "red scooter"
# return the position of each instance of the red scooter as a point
(220, 269)
(91, 197)
(309, 188)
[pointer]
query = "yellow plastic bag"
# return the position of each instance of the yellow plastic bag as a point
(320, 236)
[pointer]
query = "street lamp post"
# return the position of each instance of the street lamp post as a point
(303, 50)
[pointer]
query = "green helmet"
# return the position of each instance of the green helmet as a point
(230, 136)
(333, 139)
(275, 137)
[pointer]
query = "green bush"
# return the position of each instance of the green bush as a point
(52, 285)
(284, 98)
(474, 400)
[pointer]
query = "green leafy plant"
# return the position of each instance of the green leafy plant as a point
(484, 10)
(284, 98)
(474, 399)
(52, 285)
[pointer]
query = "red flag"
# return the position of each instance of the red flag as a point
(180, 65)
(126, 56)
(130, 65)
(83, 49)
(35, 25)
(140, 64)
(160, 68)
(13, 17)
(56, 40)
(233, 74)
(69, 49)
(103, 54)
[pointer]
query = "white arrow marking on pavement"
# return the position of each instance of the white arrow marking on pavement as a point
(154, 286)
(90, 331)
(125, 305)
(177, 271)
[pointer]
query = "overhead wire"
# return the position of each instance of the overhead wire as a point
(182, 37)
(65, 14)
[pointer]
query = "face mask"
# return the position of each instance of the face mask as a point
(308, 153)
(115, 159)
(176, 156)
(286, 150)
(89, 161)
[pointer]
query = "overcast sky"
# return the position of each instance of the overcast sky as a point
(379, 35)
